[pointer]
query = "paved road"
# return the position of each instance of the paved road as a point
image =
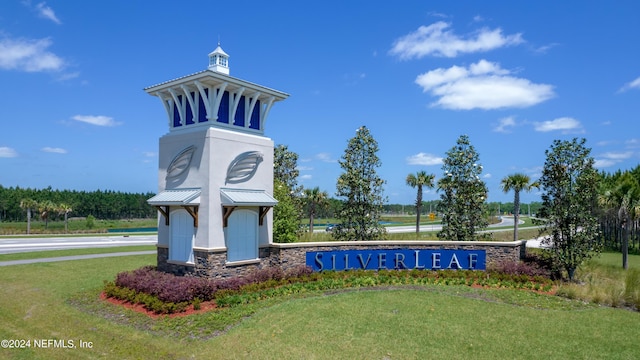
(22, 244)
(505, 221)
(74, 257)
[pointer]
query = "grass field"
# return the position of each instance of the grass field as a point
(75, 226)
(59, 301)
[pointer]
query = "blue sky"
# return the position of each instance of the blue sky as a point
(513, 76)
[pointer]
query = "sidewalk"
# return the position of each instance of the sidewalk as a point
(74, 257)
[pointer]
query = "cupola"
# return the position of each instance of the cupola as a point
(219, 61)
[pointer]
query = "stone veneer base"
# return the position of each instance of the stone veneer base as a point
(213, 264)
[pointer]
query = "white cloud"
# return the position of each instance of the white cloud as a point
(486, 176)
(565, 124)
(67, 76)
(437, 40)
(96, 120)
(635, 84)
(618, 155)
(505, 125)
(304, 168)
(28, 55)
(54, 150)
(7, 152)
(149, 154)
(633, 143)
(603, 163)
(326, 157)
(483, 85)
(305, 177)
(47, 13)
(424, 159)
(545, 48)
(612, 158)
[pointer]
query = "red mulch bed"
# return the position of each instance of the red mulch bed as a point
(210, 305)
(204, 307)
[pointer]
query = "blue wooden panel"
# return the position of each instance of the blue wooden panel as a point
(396, 259)
(223, 111)
(239, 118)
(176, 115)
(255, 117)
(202, 111)
(189, 113)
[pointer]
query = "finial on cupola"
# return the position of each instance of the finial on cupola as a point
(219, 60)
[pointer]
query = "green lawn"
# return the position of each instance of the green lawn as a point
(60, 301)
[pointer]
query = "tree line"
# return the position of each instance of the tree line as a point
(54, 204)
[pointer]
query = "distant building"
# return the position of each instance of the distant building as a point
(215, 176)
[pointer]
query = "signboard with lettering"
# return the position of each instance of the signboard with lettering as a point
(396, 259)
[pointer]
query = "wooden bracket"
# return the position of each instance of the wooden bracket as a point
(263, 212)
(164, 210)
(193, 211)
(226, 212)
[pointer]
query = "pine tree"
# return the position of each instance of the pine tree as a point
(361, 188)
(463, 193)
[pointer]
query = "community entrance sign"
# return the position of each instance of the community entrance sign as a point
(396, 259)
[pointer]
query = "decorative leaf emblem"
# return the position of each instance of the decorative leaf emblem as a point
(181, 162)
(243, 167)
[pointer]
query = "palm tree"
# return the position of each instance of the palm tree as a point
(420, 180)
(517, 182)
(314, 198)
(625, 198)
(65, 209)
(28, 205)
(45, 208)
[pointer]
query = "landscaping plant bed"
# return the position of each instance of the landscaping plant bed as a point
(153, 292)
(189, 310)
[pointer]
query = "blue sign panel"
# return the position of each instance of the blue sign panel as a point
(396, 259)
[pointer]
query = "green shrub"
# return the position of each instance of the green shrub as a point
(164, 293)
(90, 222)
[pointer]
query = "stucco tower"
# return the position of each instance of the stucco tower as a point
(215, 176)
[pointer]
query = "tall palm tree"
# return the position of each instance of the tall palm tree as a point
(46, 207)
(314, 198)
(517, 182)
(420, 179)
(28, 205)
(64, 209)
(624, 197)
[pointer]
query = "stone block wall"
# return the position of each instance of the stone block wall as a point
(213, 264)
